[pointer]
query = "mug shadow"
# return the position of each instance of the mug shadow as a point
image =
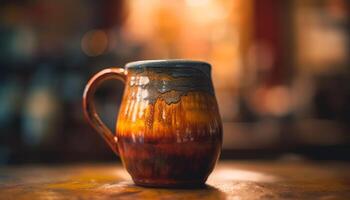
(129, 190)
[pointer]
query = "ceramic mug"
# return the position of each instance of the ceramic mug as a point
(169, 130)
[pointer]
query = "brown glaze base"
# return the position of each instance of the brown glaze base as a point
(175, 165)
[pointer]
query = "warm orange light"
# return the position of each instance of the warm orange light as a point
(231, 174)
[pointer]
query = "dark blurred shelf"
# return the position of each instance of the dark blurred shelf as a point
(334, 152)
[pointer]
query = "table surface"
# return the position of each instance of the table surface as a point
(230, 180)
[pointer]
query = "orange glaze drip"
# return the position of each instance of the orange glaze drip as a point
(195, 117)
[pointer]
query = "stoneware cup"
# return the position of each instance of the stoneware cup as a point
(169, 131)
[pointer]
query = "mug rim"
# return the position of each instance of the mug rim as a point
(168, 63)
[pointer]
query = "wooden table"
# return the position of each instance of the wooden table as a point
(230, 180)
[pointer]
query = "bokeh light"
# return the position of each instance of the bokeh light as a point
(94, 42)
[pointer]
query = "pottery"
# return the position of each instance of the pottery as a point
(169, 130)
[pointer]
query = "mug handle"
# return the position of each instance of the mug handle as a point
(89, 106)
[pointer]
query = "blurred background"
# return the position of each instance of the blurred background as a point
(281, 72)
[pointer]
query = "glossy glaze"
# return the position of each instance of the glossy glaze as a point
(171, 138)
(169, 131)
